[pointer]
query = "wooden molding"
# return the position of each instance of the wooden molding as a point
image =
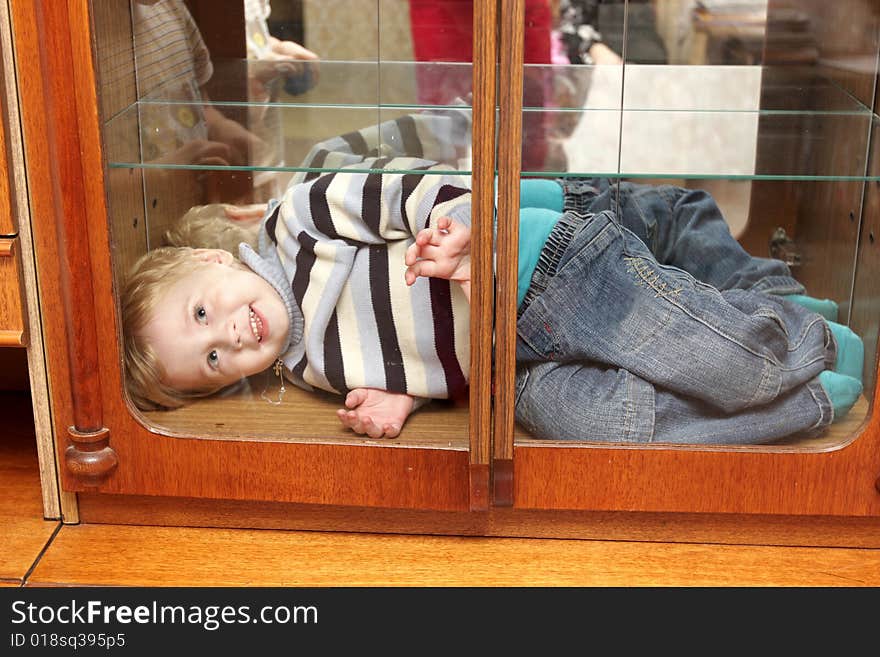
(482, 205)
(509, 168)
(12, 338)
(502, 481)
(724, 528)
(478, 478)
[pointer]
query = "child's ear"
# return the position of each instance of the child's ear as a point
(219, 256)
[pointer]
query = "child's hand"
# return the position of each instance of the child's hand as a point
(441, 252)
(375, 413)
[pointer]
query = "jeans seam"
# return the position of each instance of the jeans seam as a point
(759, 394)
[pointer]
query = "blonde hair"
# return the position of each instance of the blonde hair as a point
(209, 227)
(148, 282)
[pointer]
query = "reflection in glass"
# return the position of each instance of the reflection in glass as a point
(301, 165)
(727, 138)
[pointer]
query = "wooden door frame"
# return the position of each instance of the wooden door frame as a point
(101, 444)
(530, 475)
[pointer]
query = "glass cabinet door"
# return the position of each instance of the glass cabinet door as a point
(696, 185)
(319, 136)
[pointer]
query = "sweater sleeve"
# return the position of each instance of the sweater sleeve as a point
(382, 200)
(441, 135)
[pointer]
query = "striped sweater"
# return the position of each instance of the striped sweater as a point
(439, 135)
(341, 238)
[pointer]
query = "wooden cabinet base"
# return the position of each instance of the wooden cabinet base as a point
(730, 529)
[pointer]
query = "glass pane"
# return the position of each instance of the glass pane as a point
(324, 136)
(732, 140)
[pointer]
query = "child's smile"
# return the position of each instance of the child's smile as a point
(217, 324)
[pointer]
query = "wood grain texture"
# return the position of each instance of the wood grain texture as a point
(7, 226)
(485, 20)
(726, 528)
(829, 480)
(75, 199)
(24, 533)
(846, 36)
(509, 166)
(115, 72)
(8, 123)
(303, 416)
(70, 181)
(155, 556)
(12, 307)
(36, 369)
(151, 463)
(833, 475)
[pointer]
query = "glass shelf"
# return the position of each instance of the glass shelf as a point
(700, 122)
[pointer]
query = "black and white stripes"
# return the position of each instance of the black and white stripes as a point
(341, 238)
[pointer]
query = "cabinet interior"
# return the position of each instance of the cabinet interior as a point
(768, 105)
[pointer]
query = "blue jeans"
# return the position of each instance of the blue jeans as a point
(647, 322)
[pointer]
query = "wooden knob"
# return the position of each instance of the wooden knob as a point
(90, 458)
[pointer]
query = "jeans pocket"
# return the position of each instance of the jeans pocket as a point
(769, 313)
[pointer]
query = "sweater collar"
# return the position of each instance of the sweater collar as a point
(268, 265)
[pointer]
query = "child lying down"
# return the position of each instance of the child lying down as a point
(640, 319)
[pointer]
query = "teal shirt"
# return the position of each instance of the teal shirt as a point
(541, 203)
(535, 226)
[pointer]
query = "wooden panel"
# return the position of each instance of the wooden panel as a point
(8, 121)
(865, 316)
(70, 190)
(115, 72)
(114, 55)
(825, 480)
(12, 316)
(304, 416)
(36, 369)
(846, 38)
(728, 528)
(482, 293)
(827, 227)
(156, 556)
(509, 169)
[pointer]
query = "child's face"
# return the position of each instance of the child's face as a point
(217, 324)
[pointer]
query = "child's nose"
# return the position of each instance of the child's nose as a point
(233, 333)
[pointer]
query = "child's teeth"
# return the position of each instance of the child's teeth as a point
(256, 325)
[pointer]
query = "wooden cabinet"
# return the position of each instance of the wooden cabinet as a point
(12, 309)
(98, 200)
(12, 316)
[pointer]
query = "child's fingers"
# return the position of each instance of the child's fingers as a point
(412, 254)
(391, 430)
(355, 398)
(345, 418)
(425, 268)
(430, 236)
(372, 429)
(355, 422)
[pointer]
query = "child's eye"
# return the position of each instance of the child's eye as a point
(201, 314)
(214, 359)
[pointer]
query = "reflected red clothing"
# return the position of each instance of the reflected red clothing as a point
(442, 31)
